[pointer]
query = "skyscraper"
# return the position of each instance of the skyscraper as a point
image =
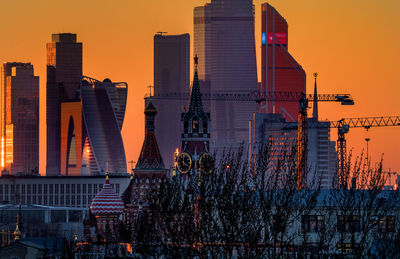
(280, 71)
(19, 119)
(224, 41)
(91, 129)
(171, 77)
(64, 71)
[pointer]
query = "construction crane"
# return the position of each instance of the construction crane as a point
(301, 98)
(343, 126)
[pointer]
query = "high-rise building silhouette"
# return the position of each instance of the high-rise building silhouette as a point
(224, 41)
(19, 119)
(171, 78)
(280, 71)
(64, 71)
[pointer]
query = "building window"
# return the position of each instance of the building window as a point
(56, 200)
(45, 189)
(68, 189)
(89, 188)
(312, 223)
(384, 224)
(73, 188)
(50, 189)
(78, 188)
(195, 125)
(83, 188)
(62, 189)
(39, 189)
(346, 247)
(56, 188)
(349, 224)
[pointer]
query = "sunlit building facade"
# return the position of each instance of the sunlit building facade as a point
(280, 71)
(171, 78)
(19, 119)
(225, 44)
(64, 71)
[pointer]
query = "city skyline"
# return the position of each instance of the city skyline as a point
(343, 53)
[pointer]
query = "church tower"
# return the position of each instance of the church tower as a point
(195, 139)
(149, 170)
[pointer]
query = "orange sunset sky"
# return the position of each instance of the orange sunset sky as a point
(352, 44)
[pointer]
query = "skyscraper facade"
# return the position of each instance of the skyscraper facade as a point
(19, 119)
(171, 78)
(281, 137)
(64, 71)
(225, 44)
(91, 129)
(280, 71)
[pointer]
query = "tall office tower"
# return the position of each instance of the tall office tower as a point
(19, 119)
(280, 71)
(225, 43)
(91, 129)
(5, 72)
(64, 71)
(274, 130)
(171, 78)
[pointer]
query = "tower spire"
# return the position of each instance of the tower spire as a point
(315, 103)
(17, 232)
(150, 156)
(196, 104)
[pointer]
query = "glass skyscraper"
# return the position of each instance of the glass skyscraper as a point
(91, 137)
(171, 78)
(225, 44)
(280, 71)
(64, 71)
(19, 119)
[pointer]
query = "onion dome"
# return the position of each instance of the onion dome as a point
(107, 202)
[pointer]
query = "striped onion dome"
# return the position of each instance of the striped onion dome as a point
(107, 202)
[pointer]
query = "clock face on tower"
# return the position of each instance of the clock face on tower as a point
(184, 163)
(206, 163)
